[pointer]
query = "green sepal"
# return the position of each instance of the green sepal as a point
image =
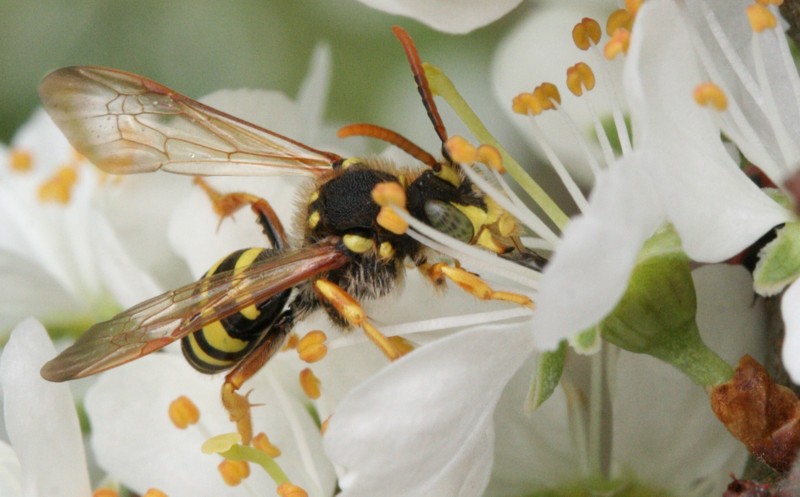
(778, 262)
(548, 375)
(587, 342)
(656, 315)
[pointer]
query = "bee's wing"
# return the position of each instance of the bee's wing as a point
(157, 322)
(126, 123)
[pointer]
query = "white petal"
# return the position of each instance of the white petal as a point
(651, 408)
(312, 96)
(590, 269)
(41, 419)
(449, 16)
(423, 425)
(135, 441)
(10, 472)
(790, 309)
(532, 451)
(716, 209)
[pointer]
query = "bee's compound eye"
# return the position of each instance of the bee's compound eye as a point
(449, 220)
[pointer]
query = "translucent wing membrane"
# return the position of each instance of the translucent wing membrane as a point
(161, 320)
(126, 123)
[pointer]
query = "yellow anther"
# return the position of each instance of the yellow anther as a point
(20, 160)
(105, 492)
(490, 156)
(460, 150)
(183, 412)
(760, 17)
(313, 219)
(389, 193)
(324, 426)
(618, 44)
(586, 33)
(312, 348)
(709, 94)
(310, 383)
(776, 3)
(386, 251)
(580, 76)
(233, 472)
(526, 104)
(262, 443)
(59, 187)
(220, 443)
(548, 95)
(289, 490)
(154, 492)
(389, 220)
(291, 342)
(619, 19)
(632, 6)
(401, 345)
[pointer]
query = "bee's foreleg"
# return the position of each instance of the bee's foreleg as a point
(227, 204)
(472, 283)
(354, 314)
(238, 405)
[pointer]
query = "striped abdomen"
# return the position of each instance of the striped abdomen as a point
(220, 345)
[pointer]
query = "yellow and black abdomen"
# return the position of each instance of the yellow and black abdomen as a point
(222, 344)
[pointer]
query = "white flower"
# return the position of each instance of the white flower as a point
(453, 16)
(427, 424)
(67, 231)
(46, 456)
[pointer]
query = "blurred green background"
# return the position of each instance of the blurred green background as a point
(197, 47)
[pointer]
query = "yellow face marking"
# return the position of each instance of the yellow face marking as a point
(313, 198)
(245, 260)
(476, 215)
(386, 251)
(313, 219)
(450, 175)
(357, 243)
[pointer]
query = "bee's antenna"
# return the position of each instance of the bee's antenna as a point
(389, 136)
(422, 84)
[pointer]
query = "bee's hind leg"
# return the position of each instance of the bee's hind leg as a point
(238, 405)
(227, 204)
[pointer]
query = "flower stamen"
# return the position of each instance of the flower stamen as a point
(586, 33)
(154, 492)
(59, 187)
(290, 490)
(312, 348)
(618, 44)
(710, 95)
(233, 472)
(105, 492)
(619, 19)
(183, 412)
(263, 443)
(386, 195)
(761, 18)
(20, 160)
(310, 383)
(580, 77)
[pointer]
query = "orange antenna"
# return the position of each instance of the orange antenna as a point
(422, 83)
(389, 136)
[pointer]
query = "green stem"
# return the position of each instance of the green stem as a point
(441, 85)
(691, 356)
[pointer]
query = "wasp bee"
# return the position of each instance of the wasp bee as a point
(238, 314)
